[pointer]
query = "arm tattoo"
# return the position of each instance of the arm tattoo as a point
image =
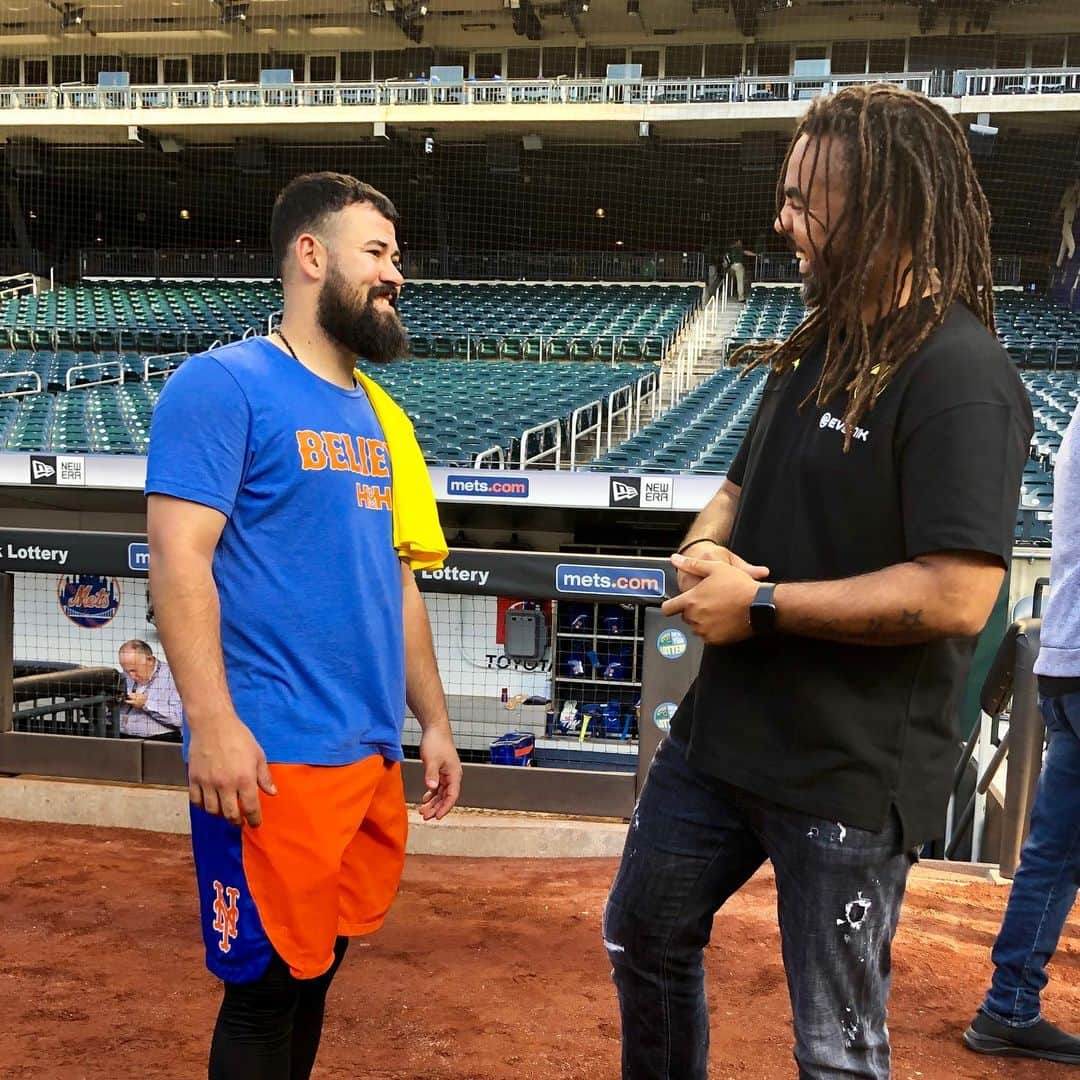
(905, 629)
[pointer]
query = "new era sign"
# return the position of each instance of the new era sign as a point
(57, 470)
(643, 492)
(624, 491)
(657, 492)
(42, 470)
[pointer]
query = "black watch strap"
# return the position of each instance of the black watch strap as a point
(763, 610)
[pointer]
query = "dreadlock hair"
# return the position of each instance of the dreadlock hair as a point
(911, 185)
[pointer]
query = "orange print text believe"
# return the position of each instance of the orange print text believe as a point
(346, 453)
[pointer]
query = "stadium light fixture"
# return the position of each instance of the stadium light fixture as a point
(71, 17)
(234, 13)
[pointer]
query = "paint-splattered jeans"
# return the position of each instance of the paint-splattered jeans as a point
(693, 842)
(1045, 885)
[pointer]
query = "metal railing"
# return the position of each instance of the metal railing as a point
(16, 285)
(1010, 728)
(152, 370)
(100, 367)
(681, 357)
(68, 701)
(24, 391)
(548, 437)
(1011, 81)
(152, 263)
(568, 91)
(745, 89)
(647, 390)
(492, 458)
(782, 267)
(509, 265)
(585, 420)
(620, 402)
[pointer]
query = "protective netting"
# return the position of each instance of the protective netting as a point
(617, 140)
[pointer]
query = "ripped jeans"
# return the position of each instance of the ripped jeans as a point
(693, 842)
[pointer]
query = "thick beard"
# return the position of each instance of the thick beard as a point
(812, 291)
(357, 325)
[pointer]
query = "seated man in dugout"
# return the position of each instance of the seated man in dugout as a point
(151, 708)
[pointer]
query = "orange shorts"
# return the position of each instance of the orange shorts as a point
(326, 861)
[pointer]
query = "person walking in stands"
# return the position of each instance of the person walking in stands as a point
(736, 257)
(838, 579)
(1010, 1022)
(288, 508)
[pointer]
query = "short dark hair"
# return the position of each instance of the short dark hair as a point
(138, 647)
(306, 201)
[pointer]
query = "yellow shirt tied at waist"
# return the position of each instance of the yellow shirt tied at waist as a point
(418, 536)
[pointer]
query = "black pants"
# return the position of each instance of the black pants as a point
(694, 842)
(269, 1029)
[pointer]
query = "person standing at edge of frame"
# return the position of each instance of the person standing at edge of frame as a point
(1010, 1022)
(838, 579)
(288, 507)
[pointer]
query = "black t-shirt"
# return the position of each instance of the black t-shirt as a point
(846, 732)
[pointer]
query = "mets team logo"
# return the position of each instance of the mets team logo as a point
(226, 914)
(89, 600)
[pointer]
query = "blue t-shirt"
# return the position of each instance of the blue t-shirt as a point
(307, 574)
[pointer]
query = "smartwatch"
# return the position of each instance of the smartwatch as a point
(763, 611)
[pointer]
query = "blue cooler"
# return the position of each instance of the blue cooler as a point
(513, 748)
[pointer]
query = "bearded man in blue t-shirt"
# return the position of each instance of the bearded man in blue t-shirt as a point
(288, 508)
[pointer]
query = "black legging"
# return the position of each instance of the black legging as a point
(269, 1029)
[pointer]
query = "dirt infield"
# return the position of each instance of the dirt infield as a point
(486, 969)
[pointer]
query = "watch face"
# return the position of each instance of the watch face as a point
(763, 613)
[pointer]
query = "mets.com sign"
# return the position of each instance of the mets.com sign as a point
(641, 584)
(487, 487)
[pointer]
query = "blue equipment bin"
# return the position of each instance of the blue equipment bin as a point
(513, 748)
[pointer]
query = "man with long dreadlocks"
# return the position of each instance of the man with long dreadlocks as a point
(838, 579)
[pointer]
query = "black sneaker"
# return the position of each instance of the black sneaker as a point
(1042, 1040)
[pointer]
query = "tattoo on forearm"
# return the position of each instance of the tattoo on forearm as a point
(877, 630)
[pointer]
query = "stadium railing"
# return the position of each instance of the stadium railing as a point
(1011, 81)
(560, 91)
(414, 92)
(745, 89)
(671, 266)
(1010, 729)
(783, 268)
